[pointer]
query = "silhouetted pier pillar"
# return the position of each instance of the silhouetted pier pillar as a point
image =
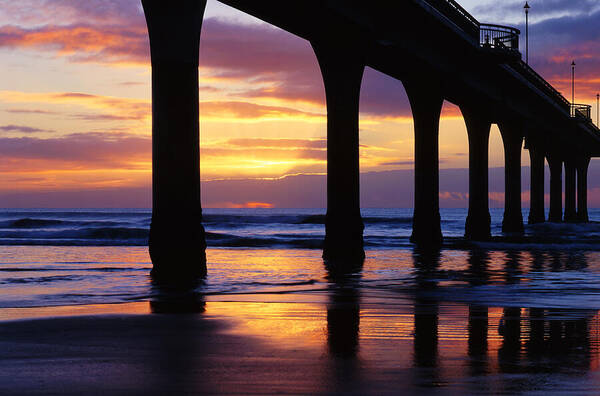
(512, 139)
(342, 72)
(555, 164)
(570, 191)
(536, 191)
(478, 222)
(583, 163)
(177, 241)
(426, 103)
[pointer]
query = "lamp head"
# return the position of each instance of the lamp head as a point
(526, 7)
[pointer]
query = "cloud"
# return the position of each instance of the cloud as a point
(555, 42)
(541, 10)
(125, 107)
(21, 129)
(283, 143)
(98, 12)
(398, 163)
(80, 150)
(115, 108)
(263, 156)
(30, 111)
(82, 43)
(252, 111)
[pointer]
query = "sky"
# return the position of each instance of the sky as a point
(75, 109)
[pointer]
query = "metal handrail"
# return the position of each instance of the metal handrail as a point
(499, 37)
(541, 83)
(581, 110)
(463, 12)
(458, 15)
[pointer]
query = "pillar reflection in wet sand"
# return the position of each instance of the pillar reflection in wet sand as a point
(478, 339)
(510, 331)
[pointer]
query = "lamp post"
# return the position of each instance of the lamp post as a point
(573, 82)
(598, 110)
(526, 7)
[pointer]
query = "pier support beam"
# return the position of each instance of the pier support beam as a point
(177, 240)
(478, 222)
(536, 191)
(512, 138)
(426, 103)
(583, 163)
(342, 71)
(570, 191)
(555, 164)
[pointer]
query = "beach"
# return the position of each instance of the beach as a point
(496, 318)
(300, 348)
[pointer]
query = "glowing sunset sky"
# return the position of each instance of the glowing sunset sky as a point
(75, 96)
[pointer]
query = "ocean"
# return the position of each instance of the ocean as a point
(510, 316)
(88, 256)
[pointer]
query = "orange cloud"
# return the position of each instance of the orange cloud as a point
(82, 42)
(238, 110)
(114, 108)
(252, 205)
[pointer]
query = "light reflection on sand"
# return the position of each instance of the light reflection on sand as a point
(408, 320)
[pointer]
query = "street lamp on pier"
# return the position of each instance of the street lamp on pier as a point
(526, 7)
(573, 82)
(598, 110)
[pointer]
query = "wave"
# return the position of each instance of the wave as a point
(88, 236)
(28, 222)
(240, 220)
(275, 241)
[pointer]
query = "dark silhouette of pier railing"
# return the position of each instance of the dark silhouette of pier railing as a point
(458, 15)
(504, 38)
(581, 110)
(540, 83)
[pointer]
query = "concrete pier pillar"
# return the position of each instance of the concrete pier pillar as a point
(583, 163)
(512, 138)
(426, 103)
(342, 69)
(555, 164)
(536, 191)
(478, 222)
(570, 191)
(177, 239)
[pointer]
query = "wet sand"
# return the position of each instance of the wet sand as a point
(347, 344)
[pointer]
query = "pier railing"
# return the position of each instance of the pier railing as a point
(504, 38)
(458, 15)
(540, 83)
(581, 110)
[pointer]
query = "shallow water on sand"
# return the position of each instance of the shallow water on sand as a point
(501, 317)
(461, 321)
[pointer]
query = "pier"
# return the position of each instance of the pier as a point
(440, 53)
